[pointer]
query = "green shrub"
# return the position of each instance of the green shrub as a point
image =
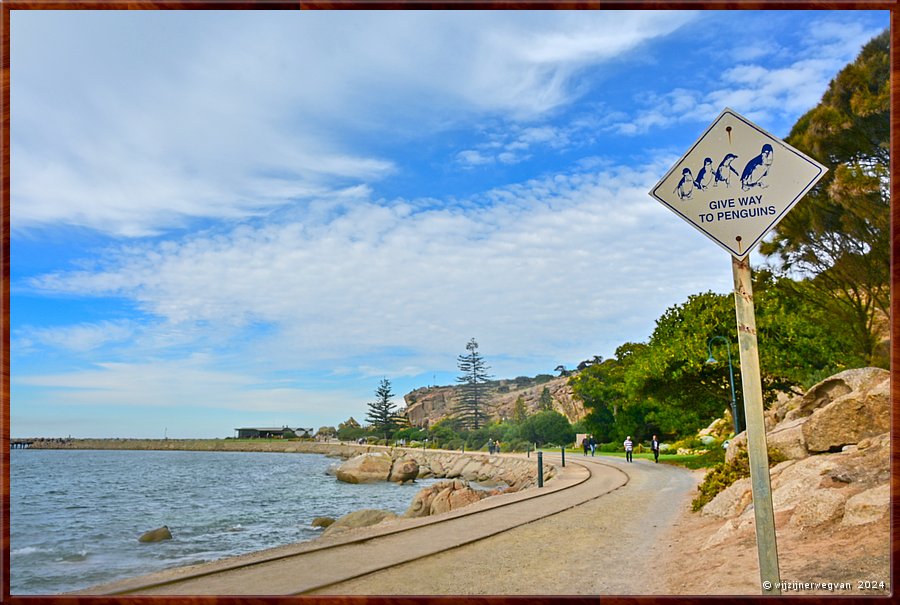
(724, 474)
(719, 477)
(689, 443)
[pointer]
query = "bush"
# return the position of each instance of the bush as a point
(720, 477)
(516, 445)
(724, 474)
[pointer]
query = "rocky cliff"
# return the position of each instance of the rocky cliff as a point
(427, 405)
(836, 442)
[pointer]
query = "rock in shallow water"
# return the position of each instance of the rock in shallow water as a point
(156, 535)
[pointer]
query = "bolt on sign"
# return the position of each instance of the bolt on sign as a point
(737, 182)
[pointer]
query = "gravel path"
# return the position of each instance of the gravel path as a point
(610, 545)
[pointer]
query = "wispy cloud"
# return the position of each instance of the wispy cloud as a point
(147, 138)
(77, 338)
(525, 264)
(788, 82)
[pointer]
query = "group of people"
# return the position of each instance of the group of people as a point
(589, 444)
(493, 446)
(629, 448)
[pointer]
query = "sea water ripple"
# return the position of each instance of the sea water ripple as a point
(76, 515)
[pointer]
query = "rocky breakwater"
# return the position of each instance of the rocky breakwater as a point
(490, 474)
(835, 474)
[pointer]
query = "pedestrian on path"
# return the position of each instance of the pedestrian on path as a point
(585, 445)
(654, 445)
(629, 445)
(593, 444)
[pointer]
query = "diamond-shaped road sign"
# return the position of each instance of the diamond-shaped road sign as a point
(736, 182)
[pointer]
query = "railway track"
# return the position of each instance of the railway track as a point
(306, 567)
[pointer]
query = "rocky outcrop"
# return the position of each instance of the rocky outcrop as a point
(322, 522)
(443, 497)
(406, 464)
(156, 535)
(404, 469)
(864, 412)
(837, 443)
(359, 518)
(428, 405)
(370, 467)
(841, 410)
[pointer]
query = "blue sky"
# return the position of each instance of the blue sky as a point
(224, 219)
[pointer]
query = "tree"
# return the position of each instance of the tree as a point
(520, 411)
(472, 399)
(837, 238)
(547, 427)
(382, 412)
(350, 430)
(545, 403)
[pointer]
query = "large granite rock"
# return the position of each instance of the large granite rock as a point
(859, 380)
(156, 535)
(787, 439)
(868, 506)
(852, 417)
(841, 410)
(366, 468)
(731, 501)
(819, 506)
(404, 469)
(359, 518)
(443, 497)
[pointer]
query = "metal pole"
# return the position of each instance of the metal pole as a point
(734, 412)
(756, 428)
(540, 469)
(562, 449)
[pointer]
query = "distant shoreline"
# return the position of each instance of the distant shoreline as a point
(328, 448)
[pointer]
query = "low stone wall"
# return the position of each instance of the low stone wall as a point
(516, 472)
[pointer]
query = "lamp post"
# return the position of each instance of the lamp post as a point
(711, 359)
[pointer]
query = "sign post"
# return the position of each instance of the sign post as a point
(734, 184)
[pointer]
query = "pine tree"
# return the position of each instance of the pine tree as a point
(520, 411)
(382, 412)
(545, 403)
(472, 400)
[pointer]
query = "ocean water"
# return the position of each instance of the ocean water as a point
(76, 515)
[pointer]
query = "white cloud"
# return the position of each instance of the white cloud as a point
(238, 113)
(78, 338)
(761, 91)
(524, 267)
(191, 382)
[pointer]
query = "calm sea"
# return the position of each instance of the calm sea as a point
(76, 515)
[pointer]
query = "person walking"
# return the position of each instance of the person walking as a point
(585, 445)
(654, 445)
(629, 446)
(593, 444)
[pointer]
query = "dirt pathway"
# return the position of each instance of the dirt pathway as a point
(610, 545)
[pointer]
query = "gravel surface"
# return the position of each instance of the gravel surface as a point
(614, 544)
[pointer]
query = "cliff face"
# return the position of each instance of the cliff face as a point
(428, 405)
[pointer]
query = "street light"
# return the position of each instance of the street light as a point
(711, 359)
